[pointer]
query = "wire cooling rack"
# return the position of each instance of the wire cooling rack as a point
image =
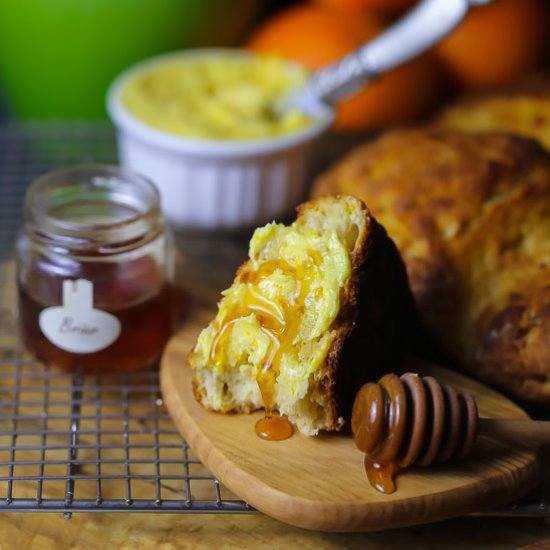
(70, 442)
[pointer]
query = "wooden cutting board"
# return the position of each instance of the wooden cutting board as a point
(320, 482)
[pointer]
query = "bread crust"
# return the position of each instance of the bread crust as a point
(522, 109)
(377, 318)
(470, 215)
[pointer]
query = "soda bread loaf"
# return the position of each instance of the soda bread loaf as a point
(470, 214)
(320, 307)
(523, 109)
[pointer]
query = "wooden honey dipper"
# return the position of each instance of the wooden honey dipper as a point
(412, 420)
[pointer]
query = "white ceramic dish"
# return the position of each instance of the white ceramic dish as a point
(217, 184)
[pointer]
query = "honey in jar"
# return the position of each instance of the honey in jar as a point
(95, 271)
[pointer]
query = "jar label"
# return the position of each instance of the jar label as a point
(76, 326)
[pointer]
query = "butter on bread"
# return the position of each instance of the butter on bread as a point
(320, 307)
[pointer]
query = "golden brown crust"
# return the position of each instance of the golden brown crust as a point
(347, 317)
(523, 109)
(377, 317)
(386, 323)
(470, 215)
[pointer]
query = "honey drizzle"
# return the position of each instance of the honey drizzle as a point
(273, 428)
(280, 324)
(381, 475)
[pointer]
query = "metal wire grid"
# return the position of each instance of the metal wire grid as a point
(29, 150)
(70, 442)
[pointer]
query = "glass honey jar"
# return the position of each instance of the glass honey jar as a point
(95, 271)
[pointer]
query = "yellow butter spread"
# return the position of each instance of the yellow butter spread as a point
(273, 324)
(220, 97)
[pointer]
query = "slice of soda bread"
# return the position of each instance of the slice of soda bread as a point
(320, 307)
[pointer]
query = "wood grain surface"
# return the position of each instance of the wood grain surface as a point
(320, 482)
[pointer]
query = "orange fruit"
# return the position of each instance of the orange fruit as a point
(497, 43)
(316, 35)
(313, 34)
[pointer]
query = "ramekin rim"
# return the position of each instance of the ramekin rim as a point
(125, 121)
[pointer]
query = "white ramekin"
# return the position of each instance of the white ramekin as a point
(216, 184)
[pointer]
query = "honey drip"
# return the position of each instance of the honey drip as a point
(381, 476)
(273, 428)
(280, 322)
(400, 422)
